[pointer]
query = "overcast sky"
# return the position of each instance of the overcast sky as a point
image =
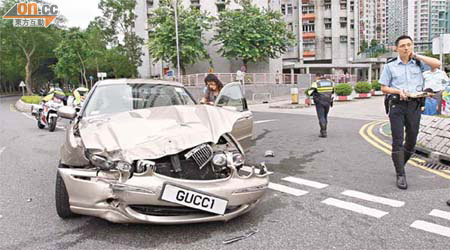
(78, 12)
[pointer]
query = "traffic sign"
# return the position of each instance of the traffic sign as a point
(22, 85)
(91, 78)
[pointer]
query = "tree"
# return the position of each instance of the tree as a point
(252, 34)
(373, 43)
(363, 47)
(119, 19)
(72, 53)
(191, 26)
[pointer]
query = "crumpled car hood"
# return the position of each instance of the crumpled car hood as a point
(155, 132)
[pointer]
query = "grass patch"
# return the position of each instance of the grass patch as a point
(33, 99)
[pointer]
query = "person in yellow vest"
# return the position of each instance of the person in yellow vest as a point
(322, 92)
(79, 94)
(55, 92)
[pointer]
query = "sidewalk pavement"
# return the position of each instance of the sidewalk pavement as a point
(363, 109)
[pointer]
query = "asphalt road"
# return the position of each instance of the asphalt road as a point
(342, 163)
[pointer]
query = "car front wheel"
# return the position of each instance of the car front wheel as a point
(62, 199)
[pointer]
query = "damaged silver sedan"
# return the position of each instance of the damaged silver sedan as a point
(142, 151)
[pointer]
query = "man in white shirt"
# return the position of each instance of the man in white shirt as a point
(436, 80)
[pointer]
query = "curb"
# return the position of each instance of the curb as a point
(23, 107)
(425, 152)
(289, 106)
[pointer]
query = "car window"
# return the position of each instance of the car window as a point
(109, 99)
(232, 96)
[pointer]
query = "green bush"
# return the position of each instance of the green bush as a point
(362, 87)
(31, 99)
(376, 85)
(343, 89)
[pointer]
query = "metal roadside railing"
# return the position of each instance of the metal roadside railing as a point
(264, 78)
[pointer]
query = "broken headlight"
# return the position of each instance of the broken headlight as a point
(105, 164)
(219, 159)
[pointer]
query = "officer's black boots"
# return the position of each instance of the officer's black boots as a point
(323, 130)
(399, 163)
(408, 155)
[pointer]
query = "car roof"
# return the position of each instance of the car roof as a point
(137, 81)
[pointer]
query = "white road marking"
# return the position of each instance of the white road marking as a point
(301, 181)
(263, 121)
(355, 207)
(2, 149)
(249, 169)
(440, 214)
(373, 198)
(286, 189)
(431, 227)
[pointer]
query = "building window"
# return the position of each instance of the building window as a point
(290, 27)
(195, 4)
(343, 39)
(220, 5)
(327, 39)
(343, 6)
(289, 9)
(307, 9)
(308, 27)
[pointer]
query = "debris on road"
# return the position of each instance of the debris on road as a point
(238, 238)
(29, 200)
(269, 153)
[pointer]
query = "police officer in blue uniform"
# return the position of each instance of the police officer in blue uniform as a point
(400, 78)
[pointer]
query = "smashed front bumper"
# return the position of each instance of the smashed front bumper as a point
(137, 200)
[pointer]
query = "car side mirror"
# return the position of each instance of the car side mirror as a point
(67, 112)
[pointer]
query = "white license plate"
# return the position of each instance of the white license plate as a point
(193, 199)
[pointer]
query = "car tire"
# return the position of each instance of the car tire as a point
(52, 124)
(40, 125)
(62, 199)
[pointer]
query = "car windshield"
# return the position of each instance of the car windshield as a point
(109, 99)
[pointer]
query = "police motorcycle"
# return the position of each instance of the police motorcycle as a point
(46, 113)
(77, 100)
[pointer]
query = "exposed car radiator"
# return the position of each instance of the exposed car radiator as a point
(201, 154)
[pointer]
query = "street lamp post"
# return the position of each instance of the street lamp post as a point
(176, 37)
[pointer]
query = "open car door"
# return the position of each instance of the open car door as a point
(231, 97)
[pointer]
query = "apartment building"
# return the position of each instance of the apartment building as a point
(151, 68)
(372, 21)
(397, 19)
(327, 33)
(431, 18)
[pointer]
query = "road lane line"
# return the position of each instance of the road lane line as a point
(373, 198)
(2, 149)
(355, 207)
(440, 214)
(249, 169)
(263, 121)
(388, 151)
(286, 189)
(305, 182)
(431, 227)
